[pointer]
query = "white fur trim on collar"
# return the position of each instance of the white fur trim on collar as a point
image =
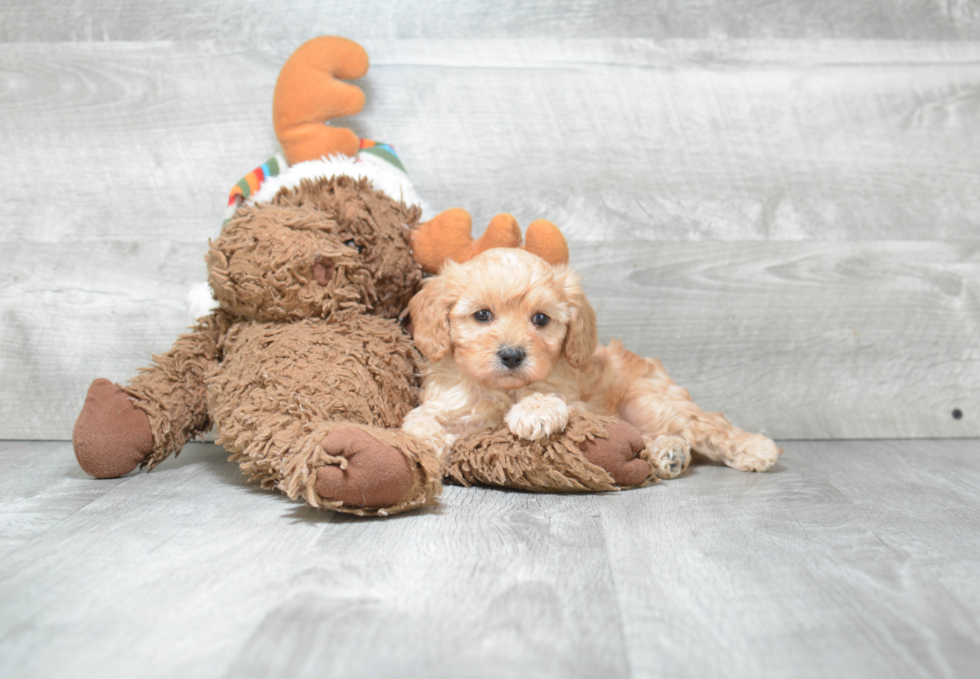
(384, 176)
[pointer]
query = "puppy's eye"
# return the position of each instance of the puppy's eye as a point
(483, 315)
(540, 320)
(353, 244)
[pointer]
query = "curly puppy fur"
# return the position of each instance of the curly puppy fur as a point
(511, 338)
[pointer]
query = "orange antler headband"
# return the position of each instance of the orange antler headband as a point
(308, 93)
(449, 236)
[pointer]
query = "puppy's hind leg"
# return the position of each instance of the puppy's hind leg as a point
(669, 455)
(656, 406)
(716, 438)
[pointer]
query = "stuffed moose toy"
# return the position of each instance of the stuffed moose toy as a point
(306, 365)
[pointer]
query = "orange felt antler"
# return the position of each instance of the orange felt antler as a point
(308, 94)
(545, 240)
(448, 236)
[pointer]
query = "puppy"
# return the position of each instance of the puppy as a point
(511, 338)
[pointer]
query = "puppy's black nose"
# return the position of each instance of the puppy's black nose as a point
(511, 356)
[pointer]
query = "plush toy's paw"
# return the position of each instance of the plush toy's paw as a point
(377, 474)
(759, 454)
(111, 435)
(619, 454)
(669, 455)
(537, 416)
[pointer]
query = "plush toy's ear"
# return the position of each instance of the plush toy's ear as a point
(429, 311)
(308, 94)
(583, 334)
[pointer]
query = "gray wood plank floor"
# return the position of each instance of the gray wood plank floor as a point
(851, 559)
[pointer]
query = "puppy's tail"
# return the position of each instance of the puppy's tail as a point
(308, 94)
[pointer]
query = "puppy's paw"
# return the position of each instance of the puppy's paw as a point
(428, 430)
(759, 454)
(669, 455)
(537, 416)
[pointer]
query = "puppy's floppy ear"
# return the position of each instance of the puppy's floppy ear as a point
(429, 310)
(583, 335)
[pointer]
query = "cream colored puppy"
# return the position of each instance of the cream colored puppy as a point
(511, 338)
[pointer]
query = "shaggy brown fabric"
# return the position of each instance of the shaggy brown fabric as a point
(262, 266)
(554, 464)
(172, 392)
(306, 341)
(284, 387)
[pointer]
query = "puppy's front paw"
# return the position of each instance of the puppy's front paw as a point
(537, 416)
(669, 455)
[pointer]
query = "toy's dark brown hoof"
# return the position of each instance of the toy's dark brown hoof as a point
(377, 474)
(111, 435)
(619, 453)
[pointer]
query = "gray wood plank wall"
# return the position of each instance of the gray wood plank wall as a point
(780, 200)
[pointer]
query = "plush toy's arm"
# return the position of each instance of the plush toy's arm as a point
(593, 453)
(156, 413)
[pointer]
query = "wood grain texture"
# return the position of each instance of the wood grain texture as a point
(816, 340)
(128, 142)
(186, 571)
(686, 142)
(41, 489)
(609, 139)
(295, 20)
(825, 166)
(851, 559)
(72, 313)
(803, 340)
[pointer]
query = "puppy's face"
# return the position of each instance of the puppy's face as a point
(506, 315)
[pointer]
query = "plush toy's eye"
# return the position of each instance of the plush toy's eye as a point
(540, 320)
(483, 315)
(353, 244)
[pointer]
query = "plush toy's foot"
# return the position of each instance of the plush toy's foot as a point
(619, 454)
(377, 475)
(669, 455)
(111, 435)
(350, 468)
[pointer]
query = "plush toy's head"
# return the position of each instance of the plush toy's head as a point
(325, 246)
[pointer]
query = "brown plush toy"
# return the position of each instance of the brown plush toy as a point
(304, 366)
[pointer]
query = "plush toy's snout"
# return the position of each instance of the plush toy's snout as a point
(323, 270)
